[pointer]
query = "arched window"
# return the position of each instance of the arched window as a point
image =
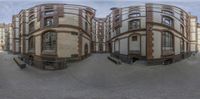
(167, 43)
(134, 24)
(49, 41)
(167, 21)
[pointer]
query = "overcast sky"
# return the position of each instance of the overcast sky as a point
(10, 7)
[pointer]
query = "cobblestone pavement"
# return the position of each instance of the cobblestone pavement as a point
(98, 78)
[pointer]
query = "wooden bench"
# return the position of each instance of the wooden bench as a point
(19, 62)
(116, 61)
(167, 61)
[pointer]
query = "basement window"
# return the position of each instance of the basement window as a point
(134, 38)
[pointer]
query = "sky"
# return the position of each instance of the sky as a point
(11, 7)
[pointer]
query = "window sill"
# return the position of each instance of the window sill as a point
(49, 52)
(167, 53)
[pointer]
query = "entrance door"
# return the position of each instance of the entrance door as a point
(110, 47)
(86, 49)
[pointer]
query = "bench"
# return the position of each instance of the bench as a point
(116, 61)
(19, 62)
(168, 61)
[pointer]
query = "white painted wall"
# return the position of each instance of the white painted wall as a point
(124, 46)
(69, 19)
(134, 45)
(143, 45)
(193, 47)
(75, 11)
(38, 45)
(67, 44)
(177, 45)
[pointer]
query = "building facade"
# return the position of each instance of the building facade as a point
(51, 34)
(99, 40)
(9, 37)
(2, 36)
(6, 37)
(15, 27)
(198, 37)
(155, 32)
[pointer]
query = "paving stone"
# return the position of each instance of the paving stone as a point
(98, 78)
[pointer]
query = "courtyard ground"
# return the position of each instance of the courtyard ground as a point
(98, 78)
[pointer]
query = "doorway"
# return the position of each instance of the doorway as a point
(86, 49)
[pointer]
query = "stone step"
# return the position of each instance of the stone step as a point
(114, 60)
(19, 62)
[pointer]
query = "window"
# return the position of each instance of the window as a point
(187, 47)
(86, 26)
(48, 21)
(31, 43)
(117, 16)
(51, 12)
(182, 29)
(100, 47)
(31, 17)
(134, 14)
(49, 41)
(31, 27)
(86, 17)
(167, 21)
(134, 38)
(117, 30)
(182, 17)
(117, 20)
(74, 33)
(167, 12)
(167, 43)
(134, 24)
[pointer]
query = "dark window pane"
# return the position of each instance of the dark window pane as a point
(49, 41)
(31, 43)
(48, 21)
(167, 41)
(167, 21)
(134, 24)
(134, 38)
(31, 27)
